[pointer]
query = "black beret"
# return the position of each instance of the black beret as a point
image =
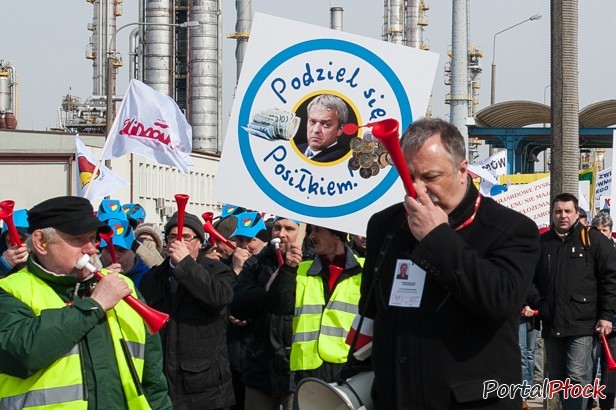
(191, 221)
(70, 214)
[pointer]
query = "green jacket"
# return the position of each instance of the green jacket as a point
(30, 343)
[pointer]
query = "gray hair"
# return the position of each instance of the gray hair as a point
(419, 131)
(603, 218)
(330, 102)
(48, 233)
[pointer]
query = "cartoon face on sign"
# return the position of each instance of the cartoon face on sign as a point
(310, 165)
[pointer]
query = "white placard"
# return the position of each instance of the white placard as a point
(603, 187)
(532, 200)
(288, 64)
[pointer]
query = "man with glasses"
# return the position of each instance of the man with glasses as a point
(194, 291)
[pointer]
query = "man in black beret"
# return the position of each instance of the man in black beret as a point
(62, 335)
(195, 291)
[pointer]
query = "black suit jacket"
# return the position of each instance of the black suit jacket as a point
(465, 331)
(329, 154)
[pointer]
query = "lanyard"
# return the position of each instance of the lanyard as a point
(472, 217)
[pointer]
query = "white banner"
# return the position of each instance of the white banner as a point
(277, 156)
(603, 187)
(104, 182)
(150, 124)
(496, 164)
(532, 200)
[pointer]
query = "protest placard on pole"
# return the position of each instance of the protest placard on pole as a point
(270, 161)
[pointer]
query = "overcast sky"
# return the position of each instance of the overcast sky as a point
(46, 43)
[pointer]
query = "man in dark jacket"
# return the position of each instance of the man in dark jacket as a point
(441, 335)
(265, 295)
(195, 292)
(576, 281)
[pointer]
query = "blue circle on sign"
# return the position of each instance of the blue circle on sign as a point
(244, 118)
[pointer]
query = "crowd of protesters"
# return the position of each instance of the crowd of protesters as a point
(450, 287)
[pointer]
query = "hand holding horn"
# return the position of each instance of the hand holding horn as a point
(6, 214)
(154, 320)
(276, 244)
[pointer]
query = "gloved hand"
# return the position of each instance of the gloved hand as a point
(352, 367)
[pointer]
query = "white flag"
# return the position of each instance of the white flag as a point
(495, 165)
(150, 124)
(103, 183)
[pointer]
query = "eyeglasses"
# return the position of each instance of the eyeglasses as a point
(185, 238)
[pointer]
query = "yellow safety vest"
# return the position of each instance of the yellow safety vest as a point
(319, 331)
(60, 386)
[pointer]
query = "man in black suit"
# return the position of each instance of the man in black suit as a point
(459, 331)
(327, 114)
(403, 274)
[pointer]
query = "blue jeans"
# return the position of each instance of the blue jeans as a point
(571, 357)
(528, 339)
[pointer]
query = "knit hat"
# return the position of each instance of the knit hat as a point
(251, 225)
(226, 226)
(191, 221)
(344, 237)
(153, 231)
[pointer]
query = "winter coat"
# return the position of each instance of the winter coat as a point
(465, 331)
(576, 285)
(30, 343)
(194, 340)
(266, 366)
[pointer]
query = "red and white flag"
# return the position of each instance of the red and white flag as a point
(363, 335)
(103, 181)
(150, 124)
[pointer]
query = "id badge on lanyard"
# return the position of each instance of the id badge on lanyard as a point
(408, 284)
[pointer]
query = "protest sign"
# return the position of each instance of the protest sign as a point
(532, 200)
(272, 160)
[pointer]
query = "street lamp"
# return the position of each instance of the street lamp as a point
(493, 84)
(111, 58)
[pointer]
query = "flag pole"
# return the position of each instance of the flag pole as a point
(100, 159)
(92, 179)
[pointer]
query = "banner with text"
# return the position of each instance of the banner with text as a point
(285, 149)
(532, 200)
(603, 187)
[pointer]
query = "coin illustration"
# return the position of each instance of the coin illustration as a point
(365, 173)
(353, 164)
(357, 144)
(365, 160)
(375, 169)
